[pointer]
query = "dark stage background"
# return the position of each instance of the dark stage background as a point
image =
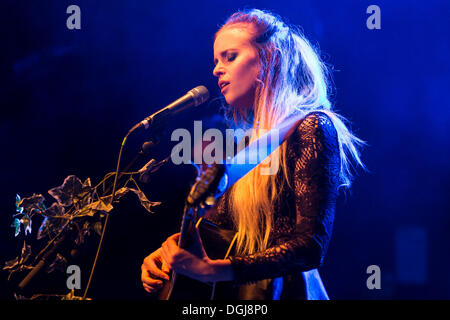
(69, 96)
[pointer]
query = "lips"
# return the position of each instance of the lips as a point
(223, 85)
(224, 88)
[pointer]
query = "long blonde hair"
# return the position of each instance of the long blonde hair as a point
(293, 80)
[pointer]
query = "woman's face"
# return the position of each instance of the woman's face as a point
(236, 65)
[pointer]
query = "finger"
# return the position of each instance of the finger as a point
(148, 276)
(172, 253)
(166, 255)
(173, 240)
(150, 281)
(151, 289)
(165, 267)
(169, 249)
(172, 245)
(175, 237)
(150, 266)
(151, 286)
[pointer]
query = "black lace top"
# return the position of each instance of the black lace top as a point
(304, 216)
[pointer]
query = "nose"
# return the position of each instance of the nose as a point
(218, 70)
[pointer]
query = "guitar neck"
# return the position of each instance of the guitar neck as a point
(187, 229)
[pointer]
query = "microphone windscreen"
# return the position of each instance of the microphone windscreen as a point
(201, 94)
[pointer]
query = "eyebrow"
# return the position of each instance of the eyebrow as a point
(223, 54)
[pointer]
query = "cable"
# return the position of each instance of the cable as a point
(107, 214)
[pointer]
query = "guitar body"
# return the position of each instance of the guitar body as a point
(217, 243)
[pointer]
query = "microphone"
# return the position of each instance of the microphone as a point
(194, 97)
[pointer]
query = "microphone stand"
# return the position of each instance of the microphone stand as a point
(199, 95)
(64, 236)
(46, 258)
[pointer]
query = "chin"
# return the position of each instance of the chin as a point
(229, 98)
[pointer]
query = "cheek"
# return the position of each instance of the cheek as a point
(250, 68)
(246, 77)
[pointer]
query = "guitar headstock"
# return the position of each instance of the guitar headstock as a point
(209, 185)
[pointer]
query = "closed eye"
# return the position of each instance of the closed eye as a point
(231, 57)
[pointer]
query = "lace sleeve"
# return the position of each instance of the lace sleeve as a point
(313, 155)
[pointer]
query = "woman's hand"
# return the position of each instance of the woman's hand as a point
(195, 263)
(154, 268)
